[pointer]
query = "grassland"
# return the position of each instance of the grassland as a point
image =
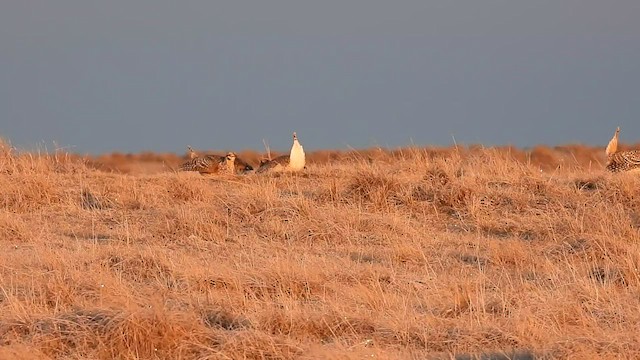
(419, 253)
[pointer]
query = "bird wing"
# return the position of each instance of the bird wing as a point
(631, 159)
(207, 163)
(272, 164)
(624, 161)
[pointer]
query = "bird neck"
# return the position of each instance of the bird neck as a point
(612, 148)
(297, 157)
(230, 166)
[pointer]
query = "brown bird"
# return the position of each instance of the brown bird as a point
(215, 164)
(295, 161)
(618, 161)
(191, 153)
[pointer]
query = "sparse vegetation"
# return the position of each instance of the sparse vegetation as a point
(416, 253)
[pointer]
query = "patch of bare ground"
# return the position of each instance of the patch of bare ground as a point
(476, 254)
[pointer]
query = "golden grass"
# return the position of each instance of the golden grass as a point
(409, 254)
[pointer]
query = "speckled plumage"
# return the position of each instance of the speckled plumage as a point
(215, 164)
(618, 161)
(624, 161)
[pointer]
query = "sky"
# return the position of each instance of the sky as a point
(157, 75)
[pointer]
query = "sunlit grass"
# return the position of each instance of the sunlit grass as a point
(404, 254)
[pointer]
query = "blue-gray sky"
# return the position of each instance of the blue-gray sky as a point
(101, 76)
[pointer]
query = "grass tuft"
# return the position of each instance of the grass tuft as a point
(461, 253)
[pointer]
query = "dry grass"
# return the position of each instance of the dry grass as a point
(417, 253)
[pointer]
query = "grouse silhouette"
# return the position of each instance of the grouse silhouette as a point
(215, 164)
(294, 162)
